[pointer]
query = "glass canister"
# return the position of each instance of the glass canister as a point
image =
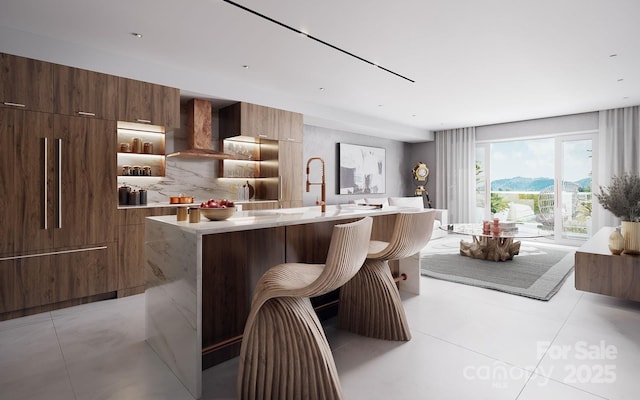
(136, 145)
(147, 148)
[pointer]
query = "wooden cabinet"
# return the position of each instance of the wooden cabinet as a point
(30, 282)
(291, 173)
(59, 209)
(26, 179)
(290, 126)
(87, 197)
(131, 238)
(147, 103)
(278, 136)
(60, 187)
(25, 83)
(85, 93)
(252, 120)
(598, 271)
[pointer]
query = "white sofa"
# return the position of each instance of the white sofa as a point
(412, 201)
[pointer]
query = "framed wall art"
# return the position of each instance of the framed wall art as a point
(362, 169)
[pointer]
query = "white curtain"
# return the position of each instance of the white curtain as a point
(455, 173)
(619, 149)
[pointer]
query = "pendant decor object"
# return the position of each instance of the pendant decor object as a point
(631, 234)
(616, 242)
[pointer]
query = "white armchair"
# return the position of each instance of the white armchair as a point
(416, 201)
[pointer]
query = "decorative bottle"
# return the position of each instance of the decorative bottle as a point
(616, 242)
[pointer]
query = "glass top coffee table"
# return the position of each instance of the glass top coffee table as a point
(501, 247)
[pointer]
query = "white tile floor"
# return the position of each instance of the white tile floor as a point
(468, 343)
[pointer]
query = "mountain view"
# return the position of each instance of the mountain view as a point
(520, 184)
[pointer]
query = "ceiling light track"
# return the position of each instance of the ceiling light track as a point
(283, 25)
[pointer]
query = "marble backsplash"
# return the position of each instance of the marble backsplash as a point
(192, 177)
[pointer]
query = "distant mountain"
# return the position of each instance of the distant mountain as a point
(520, 184)
(584, 183)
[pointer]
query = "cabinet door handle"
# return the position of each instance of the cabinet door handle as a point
(260, 135)
(45, 196)
(86, 114)
(59, 183)
(8, 103)
(144, 121)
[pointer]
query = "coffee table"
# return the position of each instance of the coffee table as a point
(491, 247)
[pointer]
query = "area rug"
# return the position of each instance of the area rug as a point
(537, 272)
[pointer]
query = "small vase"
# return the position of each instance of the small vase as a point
(631, 234)
(616, 242)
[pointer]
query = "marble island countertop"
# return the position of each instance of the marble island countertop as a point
(258, 219)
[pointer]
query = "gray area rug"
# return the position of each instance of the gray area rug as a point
(537, 272)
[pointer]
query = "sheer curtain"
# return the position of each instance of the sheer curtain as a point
(455, 173)
(619, 149)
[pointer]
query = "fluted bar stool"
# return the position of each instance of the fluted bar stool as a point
(370, 303)
(285, 353)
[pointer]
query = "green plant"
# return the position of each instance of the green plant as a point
(622, 197)
(498, 203)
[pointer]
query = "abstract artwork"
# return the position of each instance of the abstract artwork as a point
(362, 169)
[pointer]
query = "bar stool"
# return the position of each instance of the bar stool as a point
(370, 303)
(284, 353)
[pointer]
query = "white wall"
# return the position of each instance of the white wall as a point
(322, 142)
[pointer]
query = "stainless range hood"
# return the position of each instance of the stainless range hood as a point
(199, 133)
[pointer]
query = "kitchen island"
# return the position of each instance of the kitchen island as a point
(200, 276)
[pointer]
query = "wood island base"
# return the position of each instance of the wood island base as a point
(490, 248)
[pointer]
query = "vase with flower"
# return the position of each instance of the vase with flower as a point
(622, 199)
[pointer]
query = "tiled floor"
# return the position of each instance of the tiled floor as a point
(468, 343)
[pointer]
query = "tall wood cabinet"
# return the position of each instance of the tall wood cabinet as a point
(260, 123)
(59, 240)
(58, 237)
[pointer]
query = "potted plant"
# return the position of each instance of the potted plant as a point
(622, 199)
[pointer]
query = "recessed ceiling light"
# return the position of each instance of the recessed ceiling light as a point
(379, 105)
(625, 97)
(321, 89)
(620, 79)
(613, 55)
(245, 66)
(413, 115)
(136, 34)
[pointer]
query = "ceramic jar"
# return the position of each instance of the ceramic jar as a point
(616, 242)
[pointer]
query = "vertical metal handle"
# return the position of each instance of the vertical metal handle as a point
(45, 196)
(59, 183)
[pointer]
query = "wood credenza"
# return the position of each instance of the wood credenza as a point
(599, 271)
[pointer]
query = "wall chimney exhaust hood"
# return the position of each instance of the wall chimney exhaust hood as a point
(199, 133)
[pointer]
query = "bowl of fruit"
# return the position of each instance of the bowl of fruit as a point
(217, 210)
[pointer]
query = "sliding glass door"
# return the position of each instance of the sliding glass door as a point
(574, 160)
(539, 182)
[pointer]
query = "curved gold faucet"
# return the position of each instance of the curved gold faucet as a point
(323, 193)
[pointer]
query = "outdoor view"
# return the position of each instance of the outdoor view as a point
(522, 176)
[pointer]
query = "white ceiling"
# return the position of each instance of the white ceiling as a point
(474, 62)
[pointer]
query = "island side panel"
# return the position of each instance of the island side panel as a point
(232, 264)
(173, 317)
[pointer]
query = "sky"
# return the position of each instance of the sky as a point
(535, 159)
